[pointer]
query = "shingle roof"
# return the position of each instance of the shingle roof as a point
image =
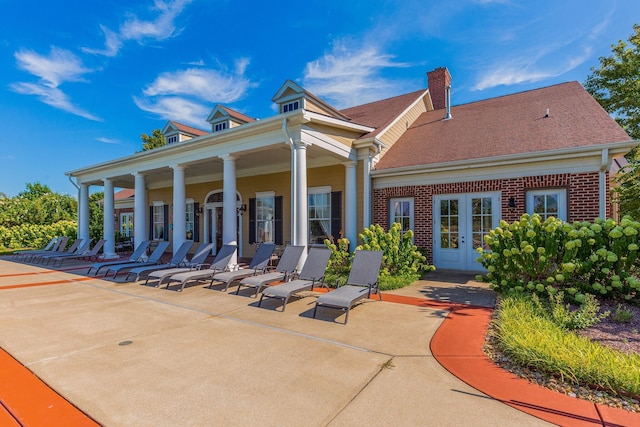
(238, 115)
(379, 114)
(511, 124)
(188, 129)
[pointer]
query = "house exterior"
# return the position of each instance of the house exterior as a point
(313, 172)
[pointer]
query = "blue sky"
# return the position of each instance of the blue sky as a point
(81, 81)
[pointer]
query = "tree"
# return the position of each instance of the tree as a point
(37, 205)
(155, 140)
(96, 216)
(615, 84)
(35, 190)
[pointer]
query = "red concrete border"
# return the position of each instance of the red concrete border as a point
(27, 400)
(457, 346)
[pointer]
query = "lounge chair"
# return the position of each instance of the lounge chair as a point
(195, 263)
(154, 259)
(220, 263)
(135, 256)
(286, 266)
(28, 255)
(363, 278)
(60, 249)
(312, 273)
(80, 247)
(47, 248)
(257, 264)
(177, 260)
(86, 255)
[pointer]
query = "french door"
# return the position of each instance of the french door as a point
(460, 223)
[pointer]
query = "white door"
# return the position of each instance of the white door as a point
(460, 223)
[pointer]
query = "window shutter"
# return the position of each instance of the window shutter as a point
(166, 223)
(252, 221)
(277, 223)
(196, 222)
(150, 222)
(336, 215)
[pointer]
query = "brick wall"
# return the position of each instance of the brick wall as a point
(582, 199)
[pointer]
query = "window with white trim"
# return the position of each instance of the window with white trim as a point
(265, 213)
(219, 126)
(190, 216)
(319, 207)
(401, 211)
(158, 221)
(290, 106)
(172, 139)
(548, 202)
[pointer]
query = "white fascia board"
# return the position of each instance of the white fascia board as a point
(319, 139)
(331, 121)
(584, 160)
(159, 156)
(401, 115)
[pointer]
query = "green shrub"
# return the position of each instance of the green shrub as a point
(585, 315)
(35, 236)
(622, 315)
(599, 258)
(402, 261)
(534, 340)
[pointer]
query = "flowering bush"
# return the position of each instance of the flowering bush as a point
(402, 262)
(34, 236)
(599, 258)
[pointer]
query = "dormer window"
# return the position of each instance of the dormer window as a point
(219, 126)
(291, 106)
(172, 139)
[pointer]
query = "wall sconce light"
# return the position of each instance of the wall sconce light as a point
(199, 211)
(512, 204)
(242, 208)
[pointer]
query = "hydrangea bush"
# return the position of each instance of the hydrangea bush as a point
(599, 258)
(402, 261)
(35, 235)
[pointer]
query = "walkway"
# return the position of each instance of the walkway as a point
(127, 354)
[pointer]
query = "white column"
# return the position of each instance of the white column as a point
(366, 188)
(350, 205)
(140, 210)
(108, 224)
(179, 208)
(206, 214)
(83, 212)
(301, 211)
(229, 212)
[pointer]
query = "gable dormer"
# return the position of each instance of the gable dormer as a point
(223, 118)
(175, 132)
(292, 97)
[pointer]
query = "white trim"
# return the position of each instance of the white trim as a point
(317, 190)
(158, 203)
(265, 194)
(403, 114)
(551, 191)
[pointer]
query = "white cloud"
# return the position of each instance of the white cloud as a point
(346, 75)
(160, 27)
(108, 140)
(54, 69)
(59, 66)
(205, 84)
(112, 44)
(52, 96)
(187, 95)
(175, 108)
(530, 68)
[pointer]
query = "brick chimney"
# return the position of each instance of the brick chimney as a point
(438, 80)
